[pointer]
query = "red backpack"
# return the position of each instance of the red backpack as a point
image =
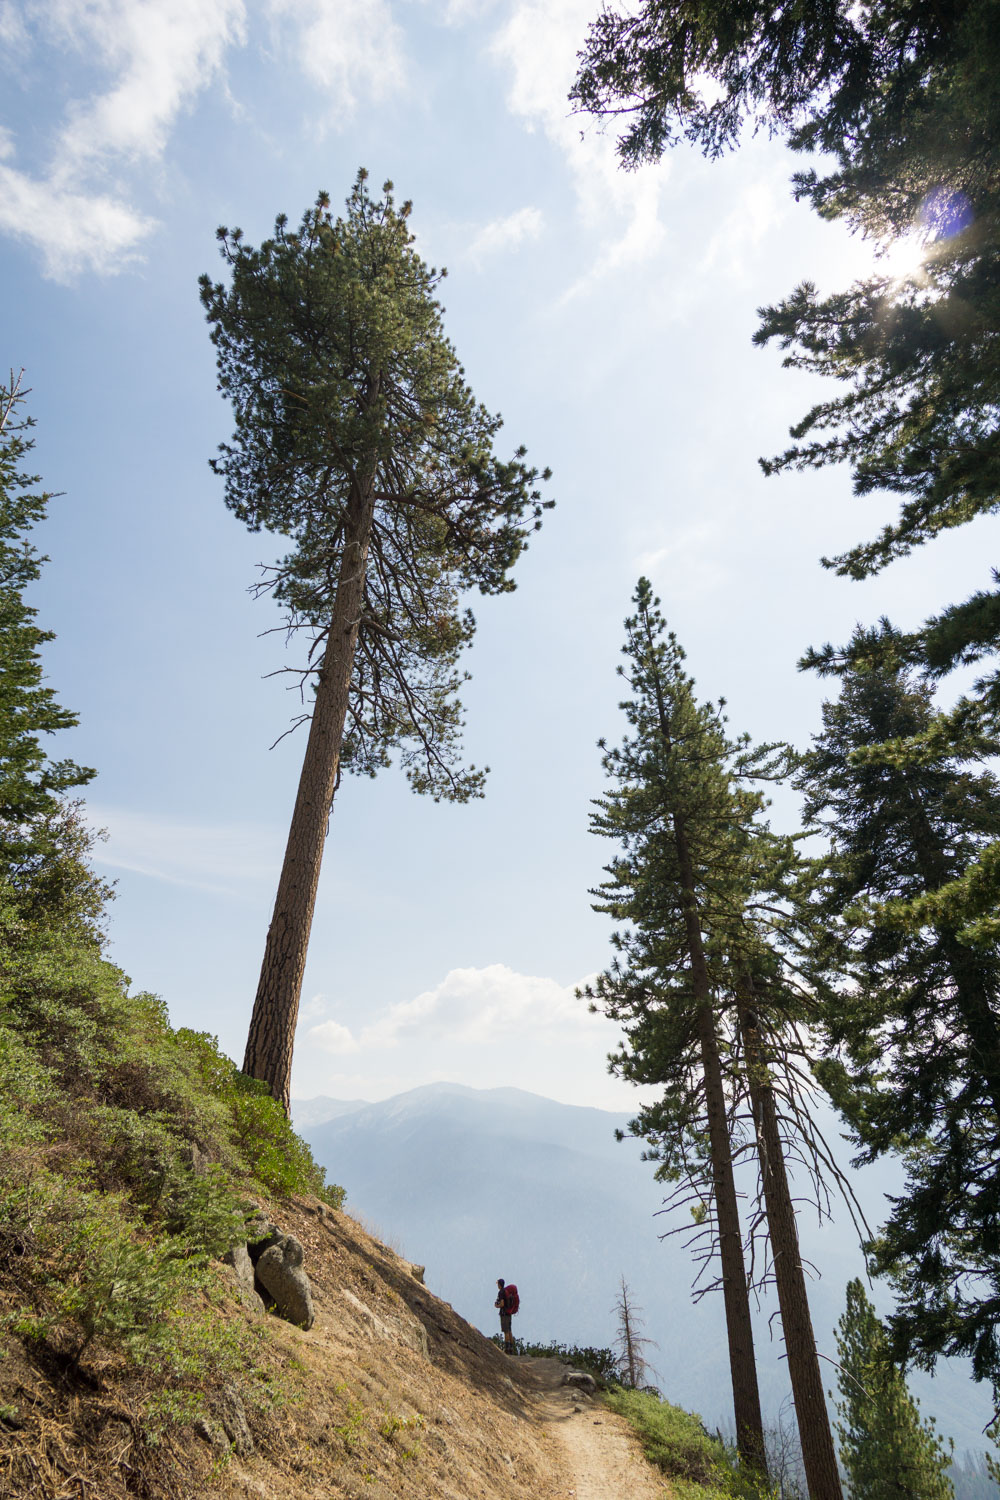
(511, 1301)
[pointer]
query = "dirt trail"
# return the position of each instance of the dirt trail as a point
(597, 1454)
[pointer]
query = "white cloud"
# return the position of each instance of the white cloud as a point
(479, 1005)
(346, 47)
(331, 1036)
(688, 566)
(158, 57)
(505, 234)
(162, 53)
(539, 43)
(75, 231)
(486, 1027)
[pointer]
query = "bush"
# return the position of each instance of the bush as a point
(130, 1153)
(601, 1363)
(701, 1467)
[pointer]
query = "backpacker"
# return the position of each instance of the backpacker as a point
(511, 1301)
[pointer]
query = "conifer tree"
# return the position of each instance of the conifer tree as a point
(887, 1450)
(358, 439)
(668, 809)
(915, 1035)
(700, 984)
(901, 106)
(42, 842)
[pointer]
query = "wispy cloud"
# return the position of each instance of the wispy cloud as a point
(158, 57)
(539, 42)
(222, 858)
(505, 234)
(160, 54)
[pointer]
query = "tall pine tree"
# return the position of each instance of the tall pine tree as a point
(358, 439)
(707, 1000)
(668, 809)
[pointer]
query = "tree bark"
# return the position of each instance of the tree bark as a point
(276, 1006)
(742, 1365)
(818, 1454)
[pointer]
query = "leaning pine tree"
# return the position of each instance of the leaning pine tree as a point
(668, 810)
(357, 438)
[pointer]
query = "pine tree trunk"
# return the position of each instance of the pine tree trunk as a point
(818, 1454)
(276, 1007)
(743, 1368)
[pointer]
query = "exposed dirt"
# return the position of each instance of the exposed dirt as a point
(389, 1394)
(596, 1449)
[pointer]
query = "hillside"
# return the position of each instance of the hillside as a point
(156, 1215)
(484, 1183)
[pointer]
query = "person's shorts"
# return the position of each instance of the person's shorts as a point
(505, 1322)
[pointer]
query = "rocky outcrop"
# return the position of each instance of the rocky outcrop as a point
(279, 1271)
(398, 1327)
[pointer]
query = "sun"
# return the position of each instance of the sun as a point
(901, 260)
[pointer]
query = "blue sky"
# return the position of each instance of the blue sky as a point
(607, 316)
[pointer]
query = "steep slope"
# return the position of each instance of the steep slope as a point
(389, 1394)
(499, 1182)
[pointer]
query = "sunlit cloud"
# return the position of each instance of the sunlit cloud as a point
(505, 234)
(350, 49)
(538, 43)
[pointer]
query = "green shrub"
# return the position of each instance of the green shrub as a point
(701, 1467)
(130, 1154)
(601, 1363)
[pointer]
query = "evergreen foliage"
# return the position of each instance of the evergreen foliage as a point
(358, 439)
(914, 1034)
(131, 1154)
(43, 843)
(331, 349)
(887, 1450)
(901, 105)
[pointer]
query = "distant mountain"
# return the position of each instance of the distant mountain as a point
(478, 1184)
(308, 1112)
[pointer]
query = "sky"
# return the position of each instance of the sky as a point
(608, 316)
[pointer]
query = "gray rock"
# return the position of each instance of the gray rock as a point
(280, 1273)
(233, 1417)
(212, 1434)
(580, 1380)
(239, 1258)
(261, 1235)
(417, 1272)
(400, 1327)
(195, 1158)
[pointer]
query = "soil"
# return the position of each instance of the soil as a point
(390, 1395)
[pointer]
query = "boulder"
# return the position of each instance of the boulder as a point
(261, 1235)
(580, 1380)
(233, 1417)
(279, 1271)
(417, 1272)
(244, 1283)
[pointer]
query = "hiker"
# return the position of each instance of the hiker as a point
(508, 1302)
